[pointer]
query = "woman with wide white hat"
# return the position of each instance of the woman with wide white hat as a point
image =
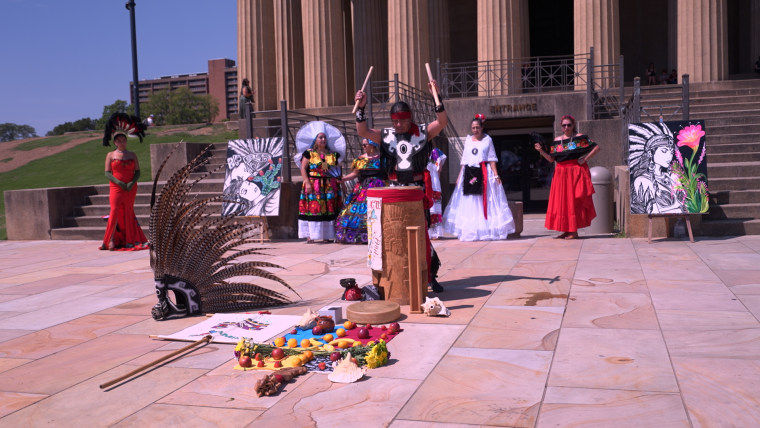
(319, 148)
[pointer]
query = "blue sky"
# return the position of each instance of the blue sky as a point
(62, 60)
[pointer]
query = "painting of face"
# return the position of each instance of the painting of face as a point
(663, 156)
(250, 191)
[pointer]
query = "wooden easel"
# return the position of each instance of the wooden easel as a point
(263, 226)
(685, 217)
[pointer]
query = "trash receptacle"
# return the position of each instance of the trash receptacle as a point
(602, 181)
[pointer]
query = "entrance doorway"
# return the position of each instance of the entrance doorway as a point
(525, 175)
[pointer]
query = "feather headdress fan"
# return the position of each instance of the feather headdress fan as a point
(124, 124)
(195, 253)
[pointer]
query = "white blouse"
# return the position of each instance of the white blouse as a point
(476, 152)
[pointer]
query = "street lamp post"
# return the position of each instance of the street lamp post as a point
(131, 7)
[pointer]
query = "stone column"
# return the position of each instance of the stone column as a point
(408, 41)
(703, 40)
(324, 53)
(596, 23)
(754, 31)
(438, 22)
(289, 52)
(256, 53)
(502, 40)
(370, 34)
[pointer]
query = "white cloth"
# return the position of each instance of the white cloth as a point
(336, 143)
(464, 214)
(316, 230)
(436, 230)
(475, 152)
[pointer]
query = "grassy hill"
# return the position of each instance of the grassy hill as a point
(84, 164)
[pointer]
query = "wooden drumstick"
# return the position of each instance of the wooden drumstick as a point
(206, 339)
(369, 73)
(430, 78)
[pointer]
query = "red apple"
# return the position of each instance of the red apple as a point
(382, 327)
(245, 361)
(277, 364)
(278, 354)
(317, 331)
(394, 327)
(363, 333)
(257, 357)
(294, 331)
(368, 326)
(260, 364)
(335, 356)
(322, 366)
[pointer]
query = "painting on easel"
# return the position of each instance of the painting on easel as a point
(253, 178)
(668, 167)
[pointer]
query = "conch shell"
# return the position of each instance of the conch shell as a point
(346, 371)
(308, 320)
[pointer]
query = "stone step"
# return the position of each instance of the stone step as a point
(733, 211)
(724, 184)
(730, 157)
(731, 118)
(729, 227)
(741, 128)
(85, 233)
(734, 138)
(715, 148)
(735, 197)
(143, 198)
(103, 210)
(732, 169)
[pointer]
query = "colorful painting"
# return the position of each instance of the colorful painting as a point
(668, 167)
(254, 174)
(229, 328)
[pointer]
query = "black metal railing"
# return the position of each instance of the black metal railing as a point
(514, 76)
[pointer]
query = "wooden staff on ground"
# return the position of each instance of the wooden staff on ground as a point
(206, 339)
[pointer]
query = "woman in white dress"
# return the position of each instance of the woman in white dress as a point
(467, 216)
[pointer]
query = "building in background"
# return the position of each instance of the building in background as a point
(220, 82)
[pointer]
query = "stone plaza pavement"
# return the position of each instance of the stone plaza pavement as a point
(600, 331)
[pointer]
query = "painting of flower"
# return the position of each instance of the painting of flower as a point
(691, 182)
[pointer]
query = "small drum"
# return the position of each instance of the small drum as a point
(393, 209)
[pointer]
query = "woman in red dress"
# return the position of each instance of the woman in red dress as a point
(570, 204)
(123, 170)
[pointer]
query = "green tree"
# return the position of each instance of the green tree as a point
(181, 106)
(84, 124)
(12, 131)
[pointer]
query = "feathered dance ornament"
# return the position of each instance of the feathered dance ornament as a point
(124, 124)
(194, 253)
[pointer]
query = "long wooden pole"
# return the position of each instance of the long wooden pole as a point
(369, 73)
(430, 78)
(206, 339)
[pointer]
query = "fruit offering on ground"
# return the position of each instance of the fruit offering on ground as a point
(335, 356)
(322, 366)
(292, 343)
(309, 355)
(340, 332)
(294, 331)
(317, 331)
(327, 338)
(368, 326)
(384, 336)
(277, 364)
(280, 341)
(245, 361)
(257, 357)
(363, 333)
(348, 325)
(305, 343)
(278, 354)
(260, 363)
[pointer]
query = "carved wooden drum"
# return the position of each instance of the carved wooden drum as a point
(390, 210)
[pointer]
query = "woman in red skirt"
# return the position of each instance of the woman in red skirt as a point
(570, 204)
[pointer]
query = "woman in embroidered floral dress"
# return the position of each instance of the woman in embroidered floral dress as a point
(351, 224)
(570, 204)
(320, 200)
